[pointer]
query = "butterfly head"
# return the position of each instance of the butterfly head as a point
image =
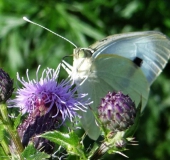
(82, 53)
(82, 62)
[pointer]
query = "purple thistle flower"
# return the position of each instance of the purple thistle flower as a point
(117, 111)
(49, 104)
(46, 93)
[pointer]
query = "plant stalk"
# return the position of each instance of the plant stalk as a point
(13, 133)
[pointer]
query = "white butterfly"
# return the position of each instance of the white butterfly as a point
(127, 62)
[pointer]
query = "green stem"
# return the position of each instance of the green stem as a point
(13, 133)
(5, 147)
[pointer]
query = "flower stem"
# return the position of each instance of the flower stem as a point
(8, 126)
(5, 146)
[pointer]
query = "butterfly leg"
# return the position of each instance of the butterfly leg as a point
(67, 67)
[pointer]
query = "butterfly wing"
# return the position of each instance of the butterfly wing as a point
(110, 73)
(110, 68)
(153, 48)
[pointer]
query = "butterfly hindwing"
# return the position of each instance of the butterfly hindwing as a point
(111, 73)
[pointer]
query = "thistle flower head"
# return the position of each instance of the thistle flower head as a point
(46, 93)
(117, 111)
(6, 86)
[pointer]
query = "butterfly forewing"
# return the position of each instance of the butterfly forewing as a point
(153, 48)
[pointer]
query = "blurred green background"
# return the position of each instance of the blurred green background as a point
(23, 45)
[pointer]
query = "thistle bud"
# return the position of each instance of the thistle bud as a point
(117, 111)
(6, 86)
(35, 124)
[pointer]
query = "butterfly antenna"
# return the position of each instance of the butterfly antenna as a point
(26, 19)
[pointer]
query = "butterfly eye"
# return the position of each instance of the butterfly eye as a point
(82, 53)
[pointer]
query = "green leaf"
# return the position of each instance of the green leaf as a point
(14, 53)
(17, 121)
(3, 155)
(70, 141)
(9, 23)
(4, 141)
(30, 153)
(78, 27)
(130, 9)
(1, 131)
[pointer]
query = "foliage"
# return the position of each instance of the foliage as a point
(23, 45)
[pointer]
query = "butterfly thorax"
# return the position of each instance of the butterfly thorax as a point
(81, 63)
